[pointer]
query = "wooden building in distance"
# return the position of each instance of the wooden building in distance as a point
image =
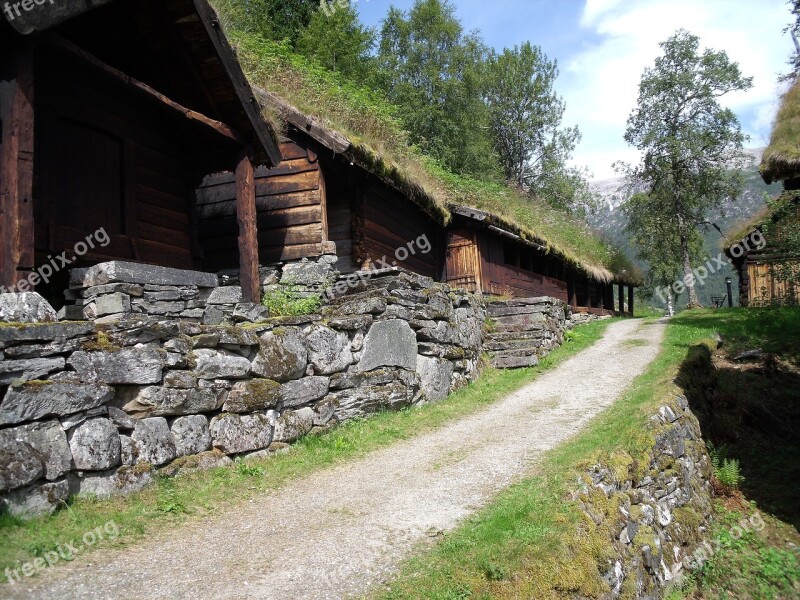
(112, 113)
(326, 199)
(766, 250)
(323, 200)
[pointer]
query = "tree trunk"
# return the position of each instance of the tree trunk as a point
(688, 275)
(670, 304)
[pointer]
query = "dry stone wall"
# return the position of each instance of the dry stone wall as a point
(100, 407)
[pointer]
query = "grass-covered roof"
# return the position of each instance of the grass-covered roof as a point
(361, 121)
(781, 159)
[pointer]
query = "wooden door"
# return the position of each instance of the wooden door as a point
(463, 261)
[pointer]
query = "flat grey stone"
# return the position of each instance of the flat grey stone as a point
(28, 369)
(225, 295)
(389, 344)
(293, 424)
(25, 307)
(304, 391)
(125, 272)
(234, 434)
(33, 401)
(250, 312)
(95, 445)
(159, 402)
(111, 304)
(328, 350)
(20, 465)
(129, 366)
(253, 396)
(283, 355)
(215, 364)
(44, 332)
(192, 435)
(436, 377)
(153, 442)
(36, 500)
(108, 484)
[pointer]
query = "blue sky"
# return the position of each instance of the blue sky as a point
(602, 47)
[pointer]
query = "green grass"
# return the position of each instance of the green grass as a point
(774, 330)
(757, 564)
(533, 542)
(196, 495)
(287, 301)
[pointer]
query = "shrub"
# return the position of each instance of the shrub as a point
(287, 301)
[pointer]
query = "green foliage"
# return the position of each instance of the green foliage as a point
(272, 19)
(525, 116)
(338, 41)
(288, 301)
(688, 141)
(249, 469)
(433, 72)
(727, 471)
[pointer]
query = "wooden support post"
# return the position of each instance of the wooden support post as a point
(621, 298)
(630, 299)
(572, 297)
(248, 229)
(16, 165)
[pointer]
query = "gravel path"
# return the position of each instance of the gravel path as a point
(339, 531)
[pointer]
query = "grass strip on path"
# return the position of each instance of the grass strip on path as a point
(533, 541)
(196, 495)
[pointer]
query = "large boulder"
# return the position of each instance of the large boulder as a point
(192, 435)
(234, 434)
(253, 396)
(436, 377)
(283, 355)
(153, 442)
(161, 402)
(217, 364)
(328, 350)
(25, 307)
(389, 344)
(36, 400)
(95, 445)
(49, 443)
(129, 366)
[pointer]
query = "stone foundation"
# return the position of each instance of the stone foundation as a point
(100, 407)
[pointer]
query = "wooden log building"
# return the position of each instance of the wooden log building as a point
(766, 250)
(326, 199)
(323, 200)
(112, 112)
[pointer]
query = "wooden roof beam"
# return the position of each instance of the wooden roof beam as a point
(145, 90)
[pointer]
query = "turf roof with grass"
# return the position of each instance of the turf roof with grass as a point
(781, 159)
(364, 128)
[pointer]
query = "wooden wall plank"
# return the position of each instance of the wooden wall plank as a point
(248, 232)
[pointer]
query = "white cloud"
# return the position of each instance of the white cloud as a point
(600, 82)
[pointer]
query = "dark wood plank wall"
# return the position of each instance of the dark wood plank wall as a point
(342, 187)
(388, 222)
(108, 159)
(505, 280)
(289, 203)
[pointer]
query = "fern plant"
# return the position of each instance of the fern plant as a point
(727, 471)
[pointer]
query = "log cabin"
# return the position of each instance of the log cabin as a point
(111, 113)
(328, 198)
(487, 256)
(323, 199)
(765, 251)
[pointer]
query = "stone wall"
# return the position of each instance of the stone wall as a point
(654, 509)
(523, 330)
(99, 407)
